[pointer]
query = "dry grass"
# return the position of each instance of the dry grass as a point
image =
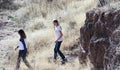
(36, 18)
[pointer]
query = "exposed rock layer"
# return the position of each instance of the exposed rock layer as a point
(102, 3)
(100, 37)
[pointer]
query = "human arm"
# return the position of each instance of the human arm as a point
(16, 48)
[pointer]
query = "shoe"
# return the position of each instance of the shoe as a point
(64, 61)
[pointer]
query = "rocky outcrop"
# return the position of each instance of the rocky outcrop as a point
(100, 37)
(102, 3)
(8, 4)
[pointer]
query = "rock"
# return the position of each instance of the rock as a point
(8, 4)
(102, 3)
(100, 38)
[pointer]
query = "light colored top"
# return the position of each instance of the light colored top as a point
(57, 32)
(21, 46)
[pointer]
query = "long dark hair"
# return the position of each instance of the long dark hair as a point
(56, 21)
(22, 34)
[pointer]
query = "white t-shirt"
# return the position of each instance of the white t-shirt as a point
(57, 32)
(21, 46)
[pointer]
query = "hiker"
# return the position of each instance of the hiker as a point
(23, 52)
(59, 39)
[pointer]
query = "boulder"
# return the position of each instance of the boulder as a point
(100, 37)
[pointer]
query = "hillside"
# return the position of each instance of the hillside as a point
(35, 17)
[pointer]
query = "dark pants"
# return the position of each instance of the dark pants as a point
(22, 55)
(57, 50)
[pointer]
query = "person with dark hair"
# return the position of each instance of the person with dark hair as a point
(59, 39)
(22, 47)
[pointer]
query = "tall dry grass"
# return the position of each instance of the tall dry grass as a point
(36, 16)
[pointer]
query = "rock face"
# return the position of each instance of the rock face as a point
(102, 3)
(100, 37)
(8, 4)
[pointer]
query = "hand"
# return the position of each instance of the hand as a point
(56, 41)
(15, 49)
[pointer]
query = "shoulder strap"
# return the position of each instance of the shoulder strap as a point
(23, 42)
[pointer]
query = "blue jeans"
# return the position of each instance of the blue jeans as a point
(22, 55)
(57, 51)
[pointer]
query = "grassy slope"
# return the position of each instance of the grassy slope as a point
(36, 16)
